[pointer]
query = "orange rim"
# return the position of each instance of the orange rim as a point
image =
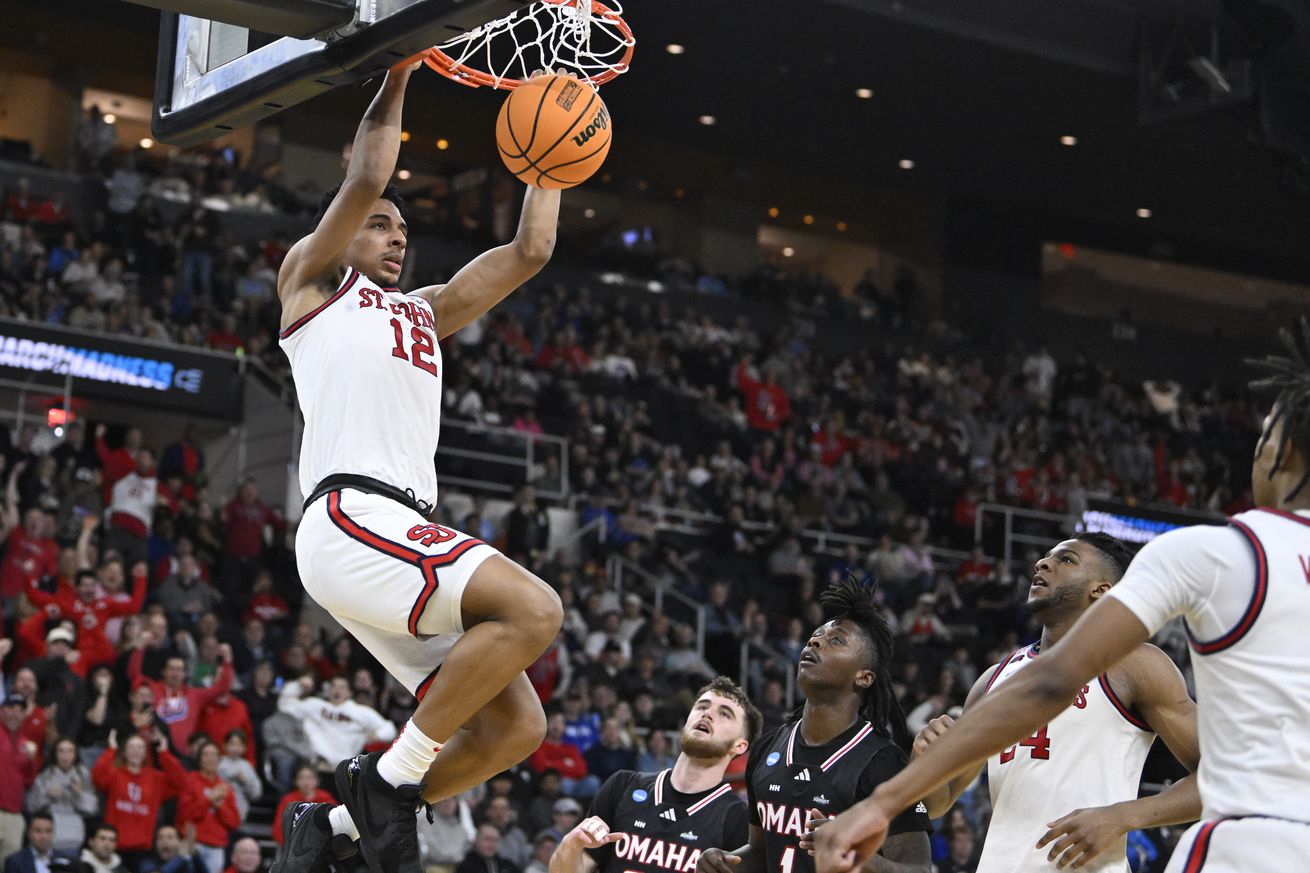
(440, 62)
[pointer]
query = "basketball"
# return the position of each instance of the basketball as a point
(554, 132)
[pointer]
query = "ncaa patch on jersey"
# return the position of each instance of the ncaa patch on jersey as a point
(772, 759)
(640, 795)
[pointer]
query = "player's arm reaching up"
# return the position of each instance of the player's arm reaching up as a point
(571, 854)
(940, 801)
(317, 258)
(490, 277)
(1156, 690)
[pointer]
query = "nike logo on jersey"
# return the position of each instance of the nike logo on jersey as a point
(669, 814)
(657, 852)
(804, 775)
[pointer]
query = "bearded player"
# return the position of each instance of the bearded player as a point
(453, 620)
(658, 822)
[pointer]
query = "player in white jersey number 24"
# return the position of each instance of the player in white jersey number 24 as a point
(1067, 795)
(447, 615)
(1244, 593)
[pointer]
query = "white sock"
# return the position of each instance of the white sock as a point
(408, 759)
(342, 823)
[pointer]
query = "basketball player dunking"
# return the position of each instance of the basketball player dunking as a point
(662, 822)
(1244, 592)
(850, 737)
(449, 617)
(1089, 758)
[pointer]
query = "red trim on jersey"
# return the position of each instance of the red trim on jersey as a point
(427, 564)
(999, 667)
(351, 275)
(1127, 713)
(706, 801)
(1258, 595)
(1290, 516)
(1200, 848)
(850, 744)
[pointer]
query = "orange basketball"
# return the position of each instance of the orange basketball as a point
(554, 132)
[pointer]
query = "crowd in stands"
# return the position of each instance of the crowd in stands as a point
(167, 687)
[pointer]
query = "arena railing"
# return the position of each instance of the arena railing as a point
(619, 568)
(1040, 532)
(754, 682)
(474, 461)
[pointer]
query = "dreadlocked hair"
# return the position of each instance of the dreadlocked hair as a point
(851, 600)
(1290, 377)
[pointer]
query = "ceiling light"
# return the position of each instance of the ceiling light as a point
(146, 143)
(1068, 140)
(788, 251)
(641, 185)
(864, 93)
(403, 175)
(1143, 213)
(907, 164)
(443, 144)
(674, 49)
(679, 193)
(110, 118)
(590, 213)
(404, 136)
(708, 120)
(809, 219)
(773, 212)
(841, 227)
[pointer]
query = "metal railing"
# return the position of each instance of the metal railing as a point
(766, 654)
(1055, 523)
(500, 459)
(618, 567)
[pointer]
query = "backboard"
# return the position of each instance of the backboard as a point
(213, 76)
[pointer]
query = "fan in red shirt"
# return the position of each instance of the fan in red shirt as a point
(264, 604)
(116, 463)
(209, 804)
(91, 609)
(245, 518)
(767, 406)
(18, 755)
(306, 791)
(225, 714)
(134, 789)
(556, 754)
(31, 554)
(176, 704)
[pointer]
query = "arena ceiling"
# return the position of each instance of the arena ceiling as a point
(978, 96)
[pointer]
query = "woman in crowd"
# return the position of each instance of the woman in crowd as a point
(208, 804)
(307, 790)
(134, 790)
(64, 789)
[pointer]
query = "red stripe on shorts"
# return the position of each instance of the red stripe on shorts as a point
(1200, 848)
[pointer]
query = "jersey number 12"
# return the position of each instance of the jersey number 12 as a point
(422, 345)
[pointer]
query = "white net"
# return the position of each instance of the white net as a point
(585, 38)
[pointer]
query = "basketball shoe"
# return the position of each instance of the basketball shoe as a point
(307, 840)
(386, 815)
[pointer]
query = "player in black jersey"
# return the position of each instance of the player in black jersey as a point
(850, 737)
(661, 822)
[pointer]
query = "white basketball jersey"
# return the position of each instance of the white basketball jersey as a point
(1089, 755)
(1253, 677)
(367, 369)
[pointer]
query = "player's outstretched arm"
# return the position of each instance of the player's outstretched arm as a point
(372, 161)
(1106, 633)
(1084, 834)
(940, 801)
(750, 858)
(571, 854)
(490, 277)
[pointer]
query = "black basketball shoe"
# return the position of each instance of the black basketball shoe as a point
(308, 843)
(386, 816)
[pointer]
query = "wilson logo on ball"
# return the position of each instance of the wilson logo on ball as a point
(600, 122)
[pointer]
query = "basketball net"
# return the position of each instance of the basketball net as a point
(584, 38)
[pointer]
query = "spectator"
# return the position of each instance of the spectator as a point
(238, 771)
(18, 757)
(558, 754)
(543, 847)
(227, 715)
(185, 595)
(39, 853)
(245, 518)
(962, 857)
(306, 790)
(527, 527)
(208, 804)
(184, 460)
(609, 755)
(564, 816)
(171, 855)
(31, 552)
(132, 500)
(176, 704)
(90, 607)
(62, 690)
(134, 789)
(582, 727)
(485, 856)
(446, 839)
(337, 728)
(657, 754)
(101, 852)
(514, 845)
(245, 857)
(63, 788)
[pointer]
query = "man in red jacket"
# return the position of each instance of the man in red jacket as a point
(178, 705)
(17, 772)
(32, 553)
(91, 609)
(116, 463)
(766, 404)
(557, 754)
(227, 713)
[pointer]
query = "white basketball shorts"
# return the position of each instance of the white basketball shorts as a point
(1242, 845)
(391, 578)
